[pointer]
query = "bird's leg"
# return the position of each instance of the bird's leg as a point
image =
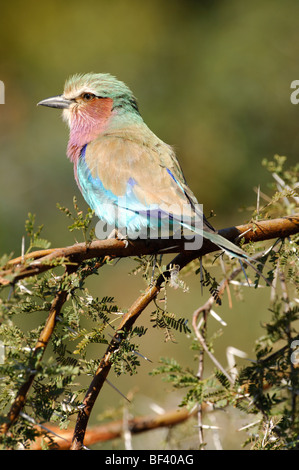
(153, 269)
(156, 263)
(116, 234)
(113, 234)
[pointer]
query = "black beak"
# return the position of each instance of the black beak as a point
(56, 102)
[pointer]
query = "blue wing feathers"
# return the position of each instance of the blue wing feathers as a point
(130, 213)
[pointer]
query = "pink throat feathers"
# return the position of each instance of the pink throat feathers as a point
(87, 122)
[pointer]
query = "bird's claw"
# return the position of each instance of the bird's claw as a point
(119, 236)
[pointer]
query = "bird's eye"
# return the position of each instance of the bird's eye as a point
(87, 96)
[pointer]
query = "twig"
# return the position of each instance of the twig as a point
(114, 429)
(38, 352)
(280, 182)
(200, 377)
(258, 201)
(126, 429)
(287, 307)
(204, 345)
(205, 309)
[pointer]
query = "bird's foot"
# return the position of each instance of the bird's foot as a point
(119, 236)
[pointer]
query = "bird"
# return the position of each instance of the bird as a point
(128, 176)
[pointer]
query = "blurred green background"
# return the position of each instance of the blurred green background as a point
(212, 79)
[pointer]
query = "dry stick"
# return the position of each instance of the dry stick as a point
(205, 309)
(205, 347)
(114, 429)
(200, 377)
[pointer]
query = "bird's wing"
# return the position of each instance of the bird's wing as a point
(136, 173)
(147, 165)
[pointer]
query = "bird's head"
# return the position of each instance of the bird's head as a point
(93, 101)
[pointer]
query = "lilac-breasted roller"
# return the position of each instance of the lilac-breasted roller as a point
(127, 175)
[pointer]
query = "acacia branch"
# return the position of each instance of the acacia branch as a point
(72, 256)
(37, 355)
(42, 260)
(262, 231)
(39, 350)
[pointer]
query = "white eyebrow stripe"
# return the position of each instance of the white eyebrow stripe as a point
(75, 93)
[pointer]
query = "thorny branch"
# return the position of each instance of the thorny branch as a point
(204, 310)
(143, 301)
(38, 353)
(40, 261)
(43, 260)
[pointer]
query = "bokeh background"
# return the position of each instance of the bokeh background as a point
(212, 79)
